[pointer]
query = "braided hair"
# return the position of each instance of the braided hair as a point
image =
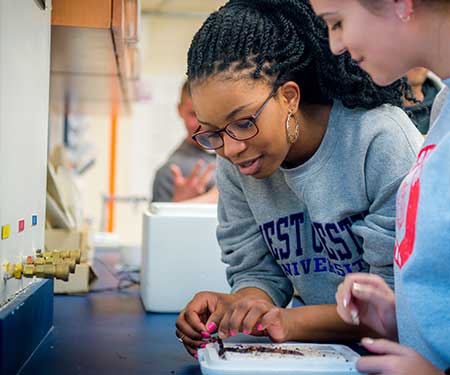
(280, 41)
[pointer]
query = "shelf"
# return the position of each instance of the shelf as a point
(91, 70)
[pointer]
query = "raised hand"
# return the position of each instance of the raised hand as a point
(195, 184)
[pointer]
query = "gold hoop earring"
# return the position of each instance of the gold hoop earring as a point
(404, 13)
(405, 18)
(292, 138)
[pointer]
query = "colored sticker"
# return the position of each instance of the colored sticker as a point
(5, 231)
(21, 225)
(34, 220)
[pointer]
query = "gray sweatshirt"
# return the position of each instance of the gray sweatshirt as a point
(309, 226)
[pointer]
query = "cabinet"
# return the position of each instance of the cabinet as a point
(24, 93)
(94, 55)
(26, 305)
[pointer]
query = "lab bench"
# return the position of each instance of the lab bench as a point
(110, 333)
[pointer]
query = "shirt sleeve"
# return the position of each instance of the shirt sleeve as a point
(163, 185)
(426, 276)
(250, 263)
(395, 143)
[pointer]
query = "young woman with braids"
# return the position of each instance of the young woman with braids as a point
(387, 38)
(311, 154)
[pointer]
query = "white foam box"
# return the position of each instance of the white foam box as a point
(299, 359)
(180, 255)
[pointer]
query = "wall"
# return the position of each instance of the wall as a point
(147, 138)
(24, 93)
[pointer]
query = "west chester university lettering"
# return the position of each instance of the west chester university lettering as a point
(337, 248)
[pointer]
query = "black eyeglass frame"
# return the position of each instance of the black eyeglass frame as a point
(224, 129)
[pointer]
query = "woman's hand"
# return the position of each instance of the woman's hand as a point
(366, 298)
(279, 324)
(200, 318)
(394, 359)
(256, 316)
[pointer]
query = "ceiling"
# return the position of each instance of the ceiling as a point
(180, 7)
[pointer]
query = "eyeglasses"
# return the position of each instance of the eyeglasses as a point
(240, 130)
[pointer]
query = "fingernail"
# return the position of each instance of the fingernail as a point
(205, 335)
(345, 302)
(246, 332)
(211, 327)
(203, 345)
(358, 287)
(259, 327)
(355, 317)
(232, 332)
(196, 356)
(367, 340)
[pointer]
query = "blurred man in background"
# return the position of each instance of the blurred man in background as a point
(189, 172)
(425, 86)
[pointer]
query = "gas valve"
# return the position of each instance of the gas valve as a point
(56, 264)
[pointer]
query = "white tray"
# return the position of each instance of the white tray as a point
(317, 359)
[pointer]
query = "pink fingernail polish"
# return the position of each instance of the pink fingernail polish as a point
(232, 333)
(259, 327)
(211, 327)
(205, 335)
(246, 332)
(196, 356)
(367, 340)
(203, 345)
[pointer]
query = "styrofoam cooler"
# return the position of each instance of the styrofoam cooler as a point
(180, 255)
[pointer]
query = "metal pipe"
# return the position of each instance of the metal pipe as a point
(107, 199)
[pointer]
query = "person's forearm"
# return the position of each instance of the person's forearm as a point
(253, 292)
(322, 323)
